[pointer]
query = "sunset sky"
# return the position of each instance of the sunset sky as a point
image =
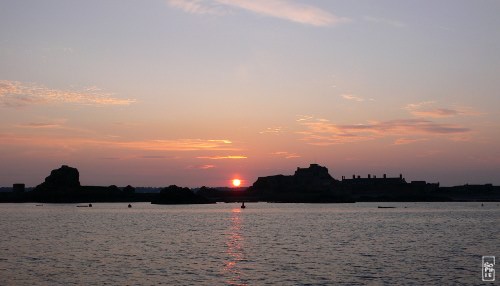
(198, 92)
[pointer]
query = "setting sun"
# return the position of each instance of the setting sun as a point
(236, 182)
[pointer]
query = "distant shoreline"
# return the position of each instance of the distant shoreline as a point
(312, 184)
(11, 197)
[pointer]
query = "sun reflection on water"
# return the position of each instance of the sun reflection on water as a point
(235, 250)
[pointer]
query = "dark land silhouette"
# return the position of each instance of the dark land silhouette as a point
(309, 185)
(313, 184)
(177, 195)
(63, 186)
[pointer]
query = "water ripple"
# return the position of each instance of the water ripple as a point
(265, 244)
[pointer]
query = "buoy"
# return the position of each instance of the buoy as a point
(243, 205)
(129, 205)
(90, 205)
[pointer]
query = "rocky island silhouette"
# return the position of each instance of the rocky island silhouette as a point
(313, 184)
(173, 195)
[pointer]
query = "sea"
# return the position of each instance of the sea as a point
(263, 244)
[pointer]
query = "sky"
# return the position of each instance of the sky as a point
(198, 92)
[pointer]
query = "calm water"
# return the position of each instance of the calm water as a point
(264, 244)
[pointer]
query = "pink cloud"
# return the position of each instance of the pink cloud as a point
(285, 154)
(144, 145)
(427, 110)
(223, 157)
(19, 94)
(286, 10)
(322, 132)
(404, 141)
(352, 97)
(273, 130)
(202, 167)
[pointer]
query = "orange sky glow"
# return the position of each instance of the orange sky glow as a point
(198, 93)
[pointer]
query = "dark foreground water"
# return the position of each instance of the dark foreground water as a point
(264, 244)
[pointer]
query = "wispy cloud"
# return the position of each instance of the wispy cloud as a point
(40, 125)
(287, 10)
(323, 132)
(302, 118)
(55, 127)
(285, 154)
(437, 113)
(198, 6)
(176, 145)
(427, 109)
(351, 97)
(208, 166)
(231, 157)
(19, 94)
(45, 124)
(154, 157)
(201, 167)
(221, 141)
(143, 145)
(355, 98)
(404, 141)
(273, 130)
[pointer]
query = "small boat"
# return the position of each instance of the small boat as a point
(243, 205)
(381, 207)
(84, 206)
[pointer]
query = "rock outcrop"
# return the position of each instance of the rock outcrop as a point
(62, 180)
